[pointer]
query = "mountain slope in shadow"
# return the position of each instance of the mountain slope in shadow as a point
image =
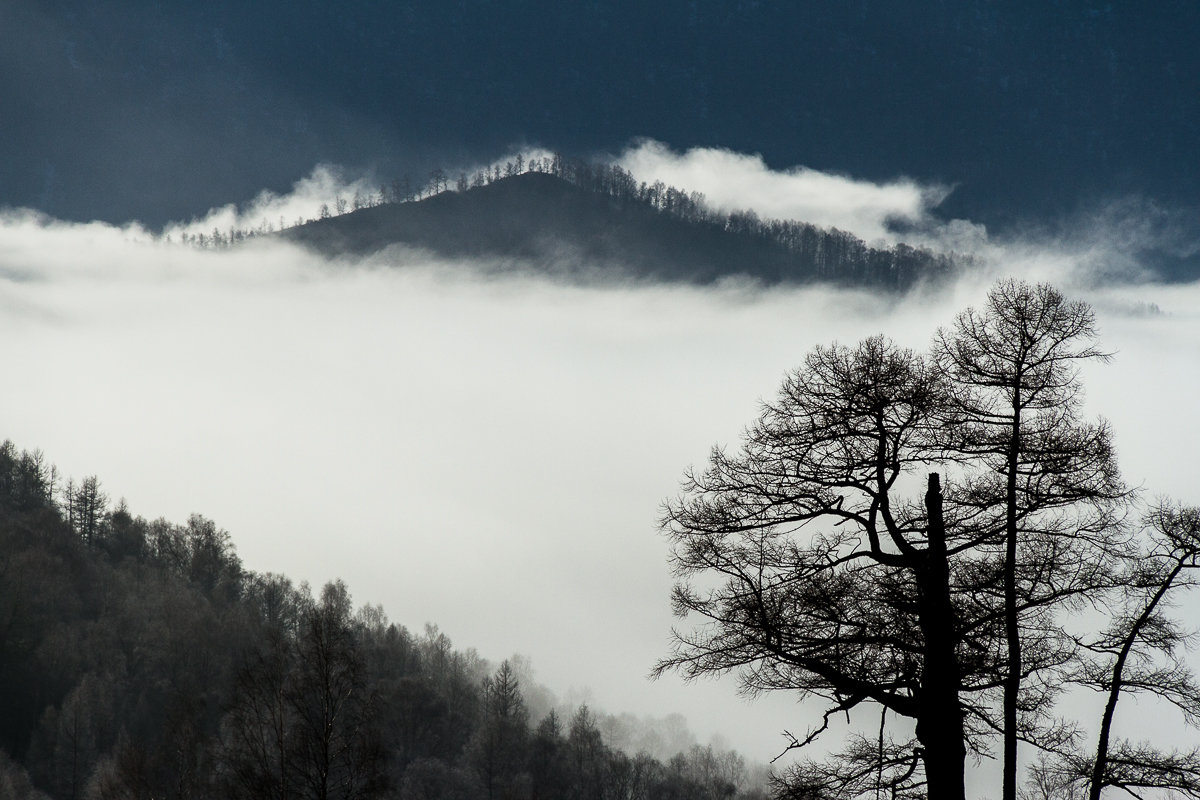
(555, 225)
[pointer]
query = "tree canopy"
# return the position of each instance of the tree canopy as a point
(913, 534)
(141, 659)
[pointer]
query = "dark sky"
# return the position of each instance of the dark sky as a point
(159, 110)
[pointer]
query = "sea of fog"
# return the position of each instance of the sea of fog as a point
(489, 452)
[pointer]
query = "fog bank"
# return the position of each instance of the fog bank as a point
(485, 453)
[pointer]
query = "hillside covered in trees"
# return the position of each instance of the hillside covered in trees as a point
(595, 221)
(141, 659)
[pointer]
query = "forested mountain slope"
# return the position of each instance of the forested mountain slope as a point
(596, 221)
(141, 659)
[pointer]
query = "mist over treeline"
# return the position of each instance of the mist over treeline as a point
(591, 220)
(142, 659)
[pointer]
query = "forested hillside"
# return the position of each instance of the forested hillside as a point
(141, 659)
(596, 221)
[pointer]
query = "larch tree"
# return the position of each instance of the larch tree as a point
(1047, 479)
(1141, 653)
(302, 723)
(813, 562)
(498, 749)
(813, 572)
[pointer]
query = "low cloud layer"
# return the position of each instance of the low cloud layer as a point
(269, 211)
(488, 454)
(736, 181)
(1121, 239)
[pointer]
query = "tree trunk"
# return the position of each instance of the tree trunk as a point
(940, 723)
(1100, 765)
(1012, 627)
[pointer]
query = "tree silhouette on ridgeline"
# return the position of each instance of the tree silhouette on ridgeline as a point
(594, 219)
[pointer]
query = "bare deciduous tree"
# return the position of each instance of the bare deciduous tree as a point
(1014, 397)
(812, 565)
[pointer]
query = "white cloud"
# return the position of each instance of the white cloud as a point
(735, 181)
(1114, 241)
(271, 211)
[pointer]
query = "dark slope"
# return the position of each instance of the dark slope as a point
(557, 225)
(141, 659)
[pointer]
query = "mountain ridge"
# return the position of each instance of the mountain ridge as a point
(592, 219)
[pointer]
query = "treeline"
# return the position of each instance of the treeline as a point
(141, 659)
(816, 253)
(796, 250)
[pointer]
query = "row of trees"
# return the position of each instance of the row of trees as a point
(403, 189)
(940, 547)
(812, 252)
(139, 659)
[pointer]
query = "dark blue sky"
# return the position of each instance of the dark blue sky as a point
(159, 110)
